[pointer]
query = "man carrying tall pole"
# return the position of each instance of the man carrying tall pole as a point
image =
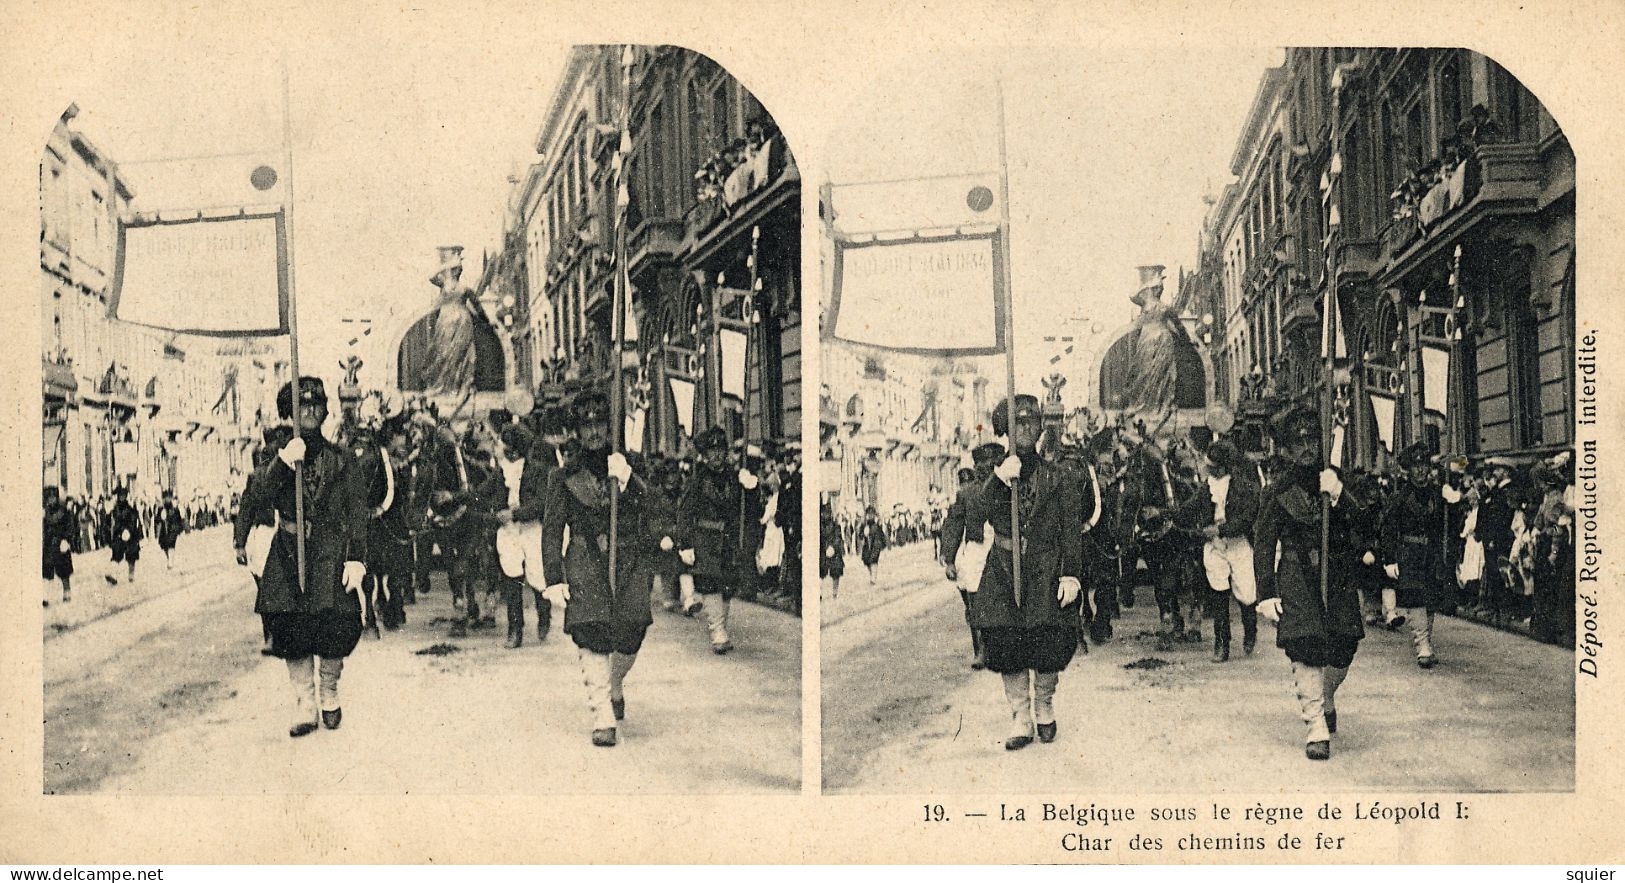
(1303, 588)
(606, 613)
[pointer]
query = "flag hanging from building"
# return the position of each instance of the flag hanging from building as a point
(225, 277)
(940, 295)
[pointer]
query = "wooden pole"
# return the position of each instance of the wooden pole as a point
(1009, 345)
(293, 326)
(617, 390)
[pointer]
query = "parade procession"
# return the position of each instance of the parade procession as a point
(550, 503)
(1299, 514)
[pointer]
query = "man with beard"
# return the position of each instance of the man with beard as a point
(1028, 630)
(318, 617)
(1412, 526)
(605, 614)
(1319, 632)
(709, 516)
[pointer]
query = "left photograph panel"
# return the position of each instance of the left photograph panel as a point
(417, 432)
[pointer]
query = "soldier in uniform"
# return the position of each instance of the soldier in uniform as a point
(1320, 633)
(606, 618)
(1028, 631)
(319, 617)
(708, 545)
(395, 518)
(59, 533)
(1412, 525)
(169, 527)
(456, 533)
(964, 546)
(518, 487)
(1223, 513)
(124, 530)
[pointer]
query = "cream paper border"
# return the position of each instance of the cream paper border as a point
(799, 58)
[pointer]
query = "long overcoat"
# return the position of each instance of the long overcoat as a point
(1052, 516)
(1413, 536)
(1290, 516)
(709, 523)
(336, 527)
(577, 498)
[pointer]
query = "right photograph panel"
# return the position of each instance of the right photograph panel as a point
(1198, 421)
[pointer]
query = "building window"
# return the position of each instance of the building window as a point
(1450, 100)
(1391, 151)
(1513, 105)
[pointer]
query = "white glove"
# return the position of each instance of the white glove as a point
(124, 535)
(1270, 609)
(829, 551)
(1450, 494)
(354, 573)
(1068, 590)
(558, 594)
(1368, 559)
(1392, 570)
(666, 544)
(686, 556)
(292, 452)
(1009, 470)
(1330, 484)
(63, 546)
(620, 469)
(747, 480)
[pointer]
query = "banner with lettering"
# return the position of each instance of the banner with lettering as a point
(225, 277)
(933, 295)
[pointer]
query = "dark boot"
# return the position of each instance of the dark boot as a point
(977, 661)
(544, 616)
(514, 597)
(1249, 628)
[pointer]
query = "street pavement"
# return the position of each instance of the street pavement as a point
(159, 688)
(904, 713)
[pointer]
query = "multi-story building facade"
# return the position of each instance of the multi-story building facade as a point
(895, 427)
(1445, 192)
(711, 227)
(125, 404)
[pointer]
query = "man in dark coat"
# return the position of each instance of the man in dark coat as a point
(1223, 511)
(1028, 631)
(832, 558)
(1412, 530)
(458, 536)
(1319, 632)
(396, 516)
(124, 531)
(516, 491)
(60, 531)
(963, 543)
(169, 527)
(606, 618)
(871, 541)
(709, 532)
(318, 617)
